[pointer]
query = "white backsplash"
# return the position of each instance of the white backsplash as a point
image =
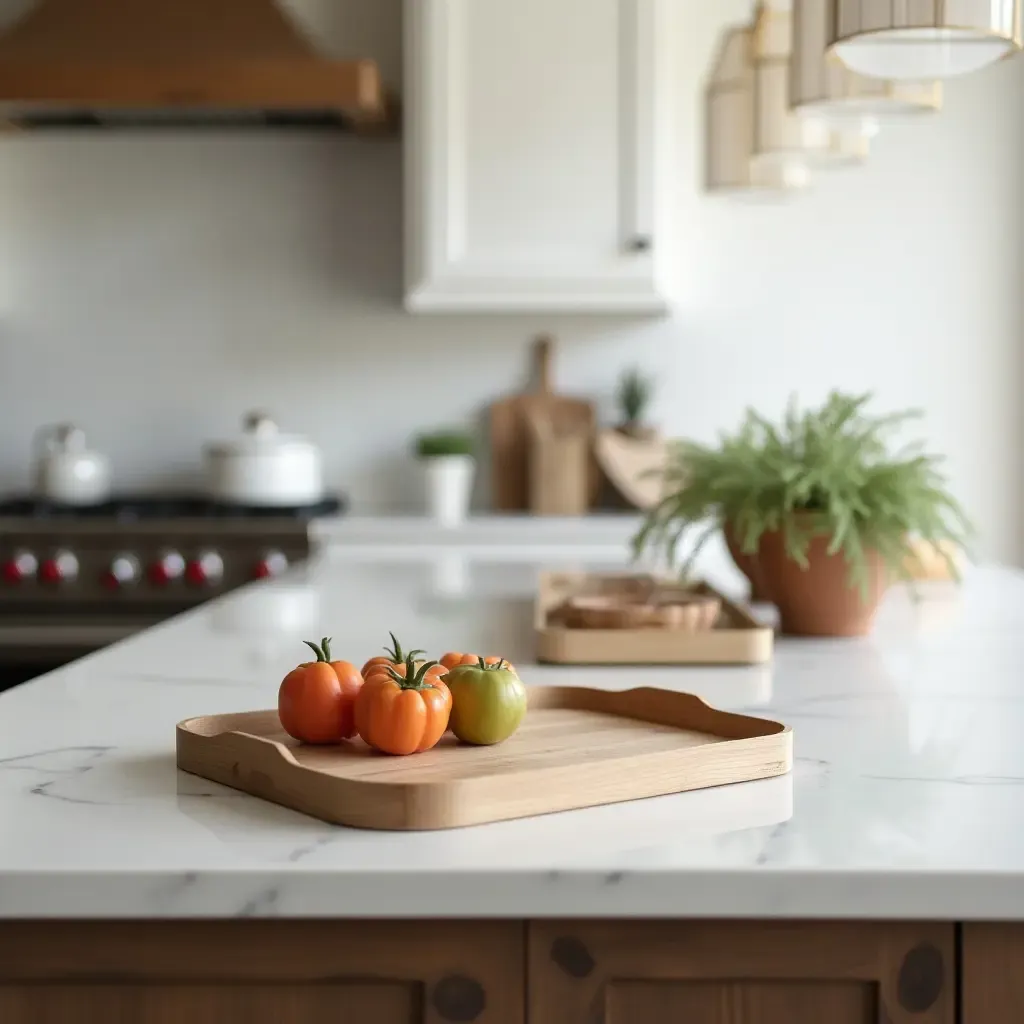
(153, 288)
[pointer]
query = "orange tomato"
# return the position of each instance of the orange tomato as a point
(401, 710)
(434, 672)
(316, 701)
(453, 659)
(395, 656)
(433, 669)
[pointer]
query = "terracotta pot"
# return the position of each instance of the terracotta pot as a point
(819, 600)
(748, 565)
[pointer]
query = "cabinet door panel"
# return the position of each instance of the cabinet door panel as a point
(724, 1002)
(993, 973)
(534, 154)
(664, 972)
(542, 183)
(278, 972)
(210, 1004)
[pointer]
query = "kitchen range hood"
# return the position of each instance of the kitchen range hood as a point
(169, 63)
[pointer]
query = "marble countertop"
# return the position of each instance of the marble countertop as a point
(907, 798)
(498, 533)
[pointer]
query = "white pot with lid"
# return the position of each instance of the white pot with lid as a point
(264, 467)
(66, 470)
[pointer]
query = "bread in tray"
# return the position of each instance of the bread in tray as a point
(675, 609)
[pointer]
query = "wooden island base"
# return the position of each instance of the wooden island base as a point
(510, 972)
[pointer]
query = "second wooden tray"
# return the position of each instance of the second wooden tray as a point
(578, 747)
(737, 638)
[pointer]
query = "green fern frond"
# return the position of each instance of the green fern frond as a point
(837, 463)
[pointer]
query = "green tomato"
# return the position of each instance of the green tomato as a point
(488, 702)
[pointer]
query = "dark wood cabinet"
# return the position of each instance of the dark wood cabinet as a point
(992, 978)
(510, 972)
(262, 972)
(621, 972)
(164, 1003)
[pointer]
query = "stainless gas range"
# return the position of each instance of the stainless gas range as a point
(73, 580)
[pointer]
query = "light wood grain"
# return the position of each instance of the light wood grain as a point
(577, 747)
(558, 460)
(772, 972)
(634, 466)
(737, 637)
(510, 431)
(278, 972)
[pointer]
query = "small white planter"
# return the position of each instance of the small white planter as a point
(448, 481)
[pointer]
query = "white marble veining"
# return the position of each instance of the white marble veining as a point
(907, 799)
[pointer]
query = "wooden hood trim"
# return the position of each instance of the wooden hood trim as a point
(177, 53)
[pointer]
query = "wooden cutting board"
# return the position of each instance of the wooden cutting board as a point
(633, 466)
(577, 747)
(510, 431)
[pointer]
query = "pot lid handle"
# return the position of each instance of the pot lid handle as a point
(259, 424)
(64, 437)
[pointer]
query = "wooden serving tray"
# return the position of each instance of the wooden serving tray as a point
(737, 638)
(577, 747)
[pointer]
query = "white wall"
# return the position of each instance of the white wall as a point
(154, 288)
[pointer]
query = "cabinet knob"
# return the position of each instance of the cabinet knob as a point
(642, 243)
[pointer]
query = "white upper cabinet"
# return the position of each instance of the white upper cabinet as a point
(536, 153)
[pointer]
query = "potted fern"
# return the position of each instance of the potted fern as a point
(821, 509)
(448, 469)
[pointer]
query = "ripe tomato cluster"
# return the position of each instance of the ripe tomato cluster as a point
(399, 704)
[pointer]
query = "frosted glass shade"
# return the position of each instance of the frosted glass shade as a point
(920, 39)
(780, 132)
(731, 129)
(822, 86)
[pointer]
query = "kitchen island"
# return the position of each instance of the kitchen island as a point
(862, 887)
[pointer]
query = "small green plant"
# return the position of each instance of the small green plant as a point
(828, 471)
(635, 391)
(444, 442)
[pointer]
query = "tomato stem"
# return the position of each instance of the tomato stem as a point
(395, 651)
(414, 678)
(497, 667)
(320, 656)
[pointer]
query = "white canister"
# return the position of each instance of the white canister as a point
(448, 481)
(66, 471)
(264, 467)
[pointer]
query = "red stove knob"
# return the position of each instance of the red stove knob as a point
(273, 563)
(168, 568)
(123, 571)
(60, 568)
(205, 570)
(21, 566)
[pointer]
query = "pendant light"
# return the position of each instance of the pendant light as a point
(821, 86)
(921, 39)
(730, 128)
(780, 133)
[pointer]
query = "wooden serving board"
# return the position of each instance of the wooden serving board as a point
(510, 431)
(737, 638)
(635, 468)
(577, 747)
